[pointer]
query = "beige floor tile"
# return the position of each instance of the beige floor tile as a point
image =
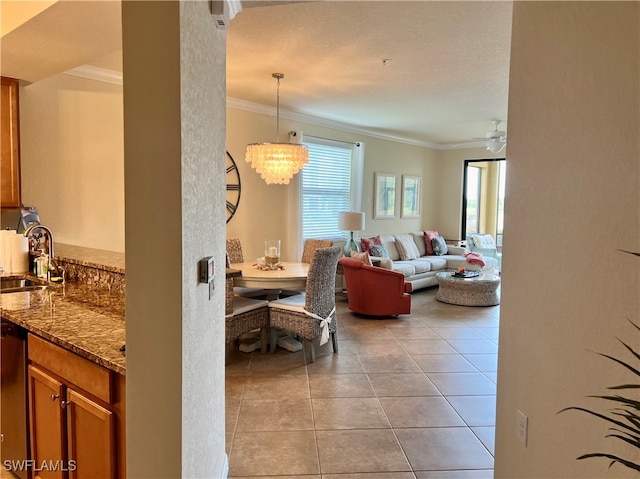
(275, 415)
(378, 347)
(489, 333)
(280, 406)
(340, 385)
(488, 437)
(277, 387)
(402, 384)
(341, 363)
(281, 362)
(389, 364)
(484, 362)
(404, 412)
(462, 384)
(427, 346)
(469, 474)
(475, 410)
(368, 450)
(412, 332)
(458, 333)
(478, 346)
(444, 363)
(274, 453)
(349, 413)
(430, 449)
(371, 475)
(234, 386)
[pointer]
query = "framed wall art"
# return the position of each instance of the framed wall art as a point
(385, 196)
(411, 196)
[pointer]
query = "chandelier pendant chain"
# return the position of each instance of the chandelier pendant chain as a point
(278, 77)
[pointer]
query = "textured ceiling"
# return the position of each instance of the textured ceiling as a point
(446, 76)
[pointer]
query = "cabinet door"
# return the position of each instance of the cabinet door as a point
(91, 438)
(10, 141)
(47, 425)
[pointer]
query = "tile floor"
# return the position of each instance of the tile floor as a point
(405, 398)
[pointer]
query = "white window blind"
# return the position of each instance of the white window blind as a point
(326, 190)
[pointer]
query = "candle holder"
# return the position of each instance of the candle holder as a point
(272, 253)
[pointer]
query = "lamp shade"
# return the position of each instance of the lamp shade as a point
(351, 221)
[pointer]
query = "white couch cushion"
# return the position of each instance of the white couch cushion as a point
(437, 262)
(483, 241)
(407, 248)
(421, 265)
(418, 239)
(405, 267)
(389, 242)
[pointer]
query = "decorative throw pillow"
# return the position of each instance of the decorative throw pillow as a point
(428, 236)
(439, 246)
(378, 250)
(364, 257)
(483, 241)
(368, 242)
(406, 247)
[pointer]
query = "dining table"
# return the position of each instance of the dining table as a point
(291, 276)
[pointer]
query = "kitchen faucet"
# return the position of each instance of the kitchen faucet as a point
(53, 269)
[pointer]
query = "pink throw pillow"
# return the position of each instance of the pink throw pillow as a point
(428, 236)
(367, 242)
(364, 257)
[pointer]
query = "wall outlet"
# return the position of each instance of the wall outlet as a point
(522, 427)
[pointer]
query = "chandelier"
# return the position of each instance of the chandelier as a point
(277, 162)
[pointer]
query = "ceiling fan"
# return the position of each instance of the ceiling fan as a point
(495, 140)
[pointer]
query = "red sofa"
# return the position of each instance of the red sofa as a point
(375, 291)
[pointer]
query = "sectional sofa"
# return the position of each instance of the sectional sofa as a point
(407, 254)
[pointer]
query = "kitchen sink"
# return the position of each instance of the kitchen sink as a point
(17, 285)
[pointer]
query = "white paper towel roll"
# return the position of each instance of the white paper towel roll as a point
(19, 254)
(5, 249)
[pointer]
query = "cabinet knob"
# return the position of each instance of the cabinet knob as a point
(55, 396)
(64, 404)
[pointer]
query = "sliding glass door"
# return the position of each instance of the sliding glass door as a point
(483, 198)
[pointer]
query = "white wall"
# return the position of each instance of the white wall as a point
(72, 159)
(174, 104)
(572, 202)
(450, 171)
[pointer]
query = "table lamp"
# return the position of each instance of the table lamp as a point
(351, 221)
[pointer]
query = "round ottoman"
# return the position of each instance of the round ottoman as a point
(479, 291)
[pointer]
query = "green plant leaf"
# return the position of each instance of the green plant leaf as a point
(631, 402)
(629, 348)
(601, 416)
(625, 386)
(630, 252)
(628, 366)
(614, 459)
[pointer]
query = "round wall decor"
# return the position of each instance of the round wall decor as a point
(233, 187)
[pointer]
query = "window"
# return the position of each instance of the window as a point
(474, 175)
(330, 183)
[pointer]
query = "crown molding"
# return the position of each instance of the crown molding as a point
(336, 125)
(97, 73)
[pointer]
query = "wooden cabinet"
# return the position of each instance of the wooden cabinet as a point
(10, 160)
(76, 415)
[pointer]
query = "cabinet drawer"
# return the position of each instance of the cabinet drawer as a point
(74, 369)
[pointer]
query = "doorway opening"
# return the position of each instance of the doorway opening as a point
(483, 198)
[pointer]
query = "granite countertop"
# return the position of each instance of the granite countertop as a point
(85, 319)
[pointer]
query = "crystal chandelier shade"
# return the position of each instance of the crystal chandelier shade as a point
(277, 162)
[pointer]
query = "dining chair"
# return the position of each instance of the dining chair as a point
(312, 314)
(234, 255)
(311, 245)
(234, 250)
(243, 315)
